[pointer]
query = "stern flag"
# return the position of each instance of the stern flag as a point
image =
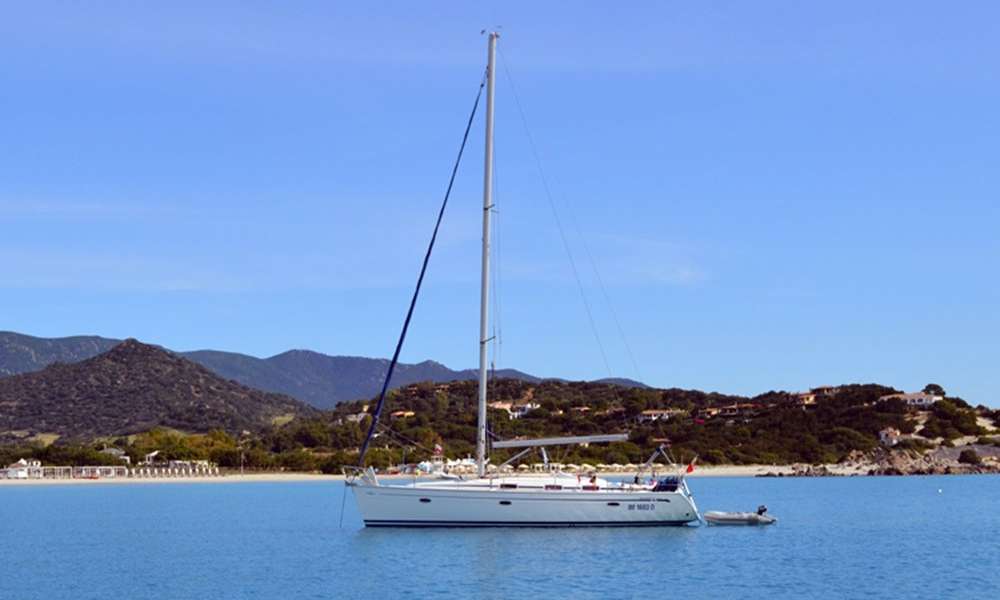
(690, 468)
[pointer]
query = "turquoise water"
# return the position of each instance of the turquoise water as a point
(837, 538)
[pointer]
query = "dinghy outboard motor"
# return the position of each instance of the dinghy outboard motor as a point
(762, 509)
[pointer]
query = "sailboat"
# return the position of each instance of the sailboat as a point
(493, 499)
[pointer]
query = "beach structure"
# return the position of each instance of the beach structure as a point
(100, 472)
(32, 469)
(24, 469)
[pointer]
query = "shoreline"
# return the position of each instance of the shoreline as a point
(699, 472)
(707, 471)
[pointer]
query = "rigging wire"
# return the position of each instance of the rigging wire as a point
(555, 214)
(607, 298)
(497, 294)
(402, 440)
(420, 279)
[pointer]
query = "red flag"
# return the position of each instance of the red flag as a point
(690, 468)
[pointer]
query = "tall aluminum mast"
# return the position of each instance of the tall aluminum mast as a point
(485, 286)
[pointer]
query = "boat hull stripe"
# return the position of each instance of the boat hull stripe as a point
(424, 523)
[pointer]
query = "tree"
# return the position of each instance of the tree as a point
(969, 457)
(934, 389)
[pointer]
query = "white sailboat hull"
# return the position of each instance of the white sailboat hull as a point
(440, 506)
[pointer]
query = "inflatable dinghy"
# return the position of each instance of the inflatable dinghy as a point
(740, 518)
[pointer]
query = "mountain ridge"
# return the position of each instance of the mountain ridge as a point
(321, 380)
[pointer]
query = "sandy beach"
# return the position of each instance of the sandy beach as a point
(236, 478)
(706, 471)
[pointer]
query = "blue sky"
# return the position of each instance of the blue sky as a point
(777, 195)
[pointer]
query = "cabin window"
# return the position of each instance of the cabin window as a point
(553, 487)
(590, 488)
(505, 503)
(425, 500)
(508, 486)
(613, 504)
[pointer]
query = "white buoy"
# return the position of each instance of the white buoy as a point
(939, 490)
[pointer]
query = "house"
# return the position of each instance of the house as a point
(743, 409)
(653, 415)
(825, 391)
(889, 437)
(709, 412)
(24, 469)
(730, 410)
(117, 453)
(581, 409)
(914, 399)
(523, 409)
(805, 399)
(506, 407)
(356, 417)
(402, 414)
(500, 405)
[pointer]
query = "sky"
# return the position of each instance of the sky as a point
(775, 195)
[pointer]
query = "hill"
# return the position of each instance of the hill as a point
(130, 388)
(772, 428)
(312, 377)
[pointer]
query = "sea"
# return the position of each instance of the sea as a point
(864, 537)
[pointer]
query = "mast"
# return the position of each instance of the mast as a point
(485, 285)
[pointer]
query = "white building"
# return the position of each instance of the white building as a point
(914, 399)
(117, 453)
(653, 415)
(521, 410)
(24, 469)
